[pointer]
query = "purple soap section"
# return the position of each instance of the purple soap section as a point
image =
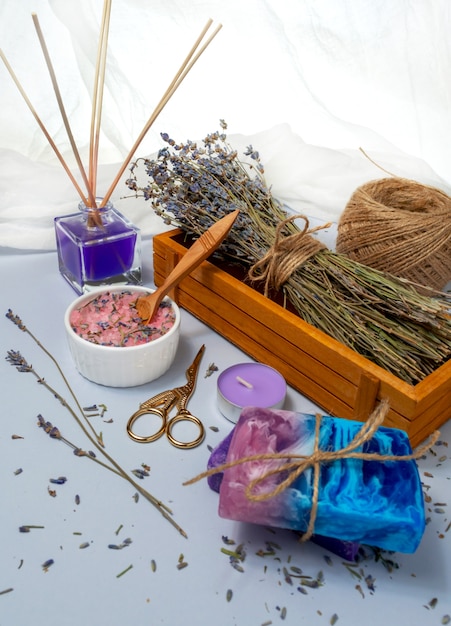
(218, 457)
(344, 549)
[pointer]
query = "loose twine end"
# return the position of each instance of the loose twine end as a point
(295, 465)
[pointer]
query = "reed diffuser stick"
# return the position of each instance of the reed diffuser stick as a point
(90, 180)
(181, 74)
(42, 127)
(92, 201)
(97, 97)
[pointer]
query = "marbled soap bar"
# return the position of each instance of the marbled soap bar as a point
(373, 502)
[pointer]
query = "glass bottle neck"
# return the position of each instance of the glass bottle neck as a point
(96, 216)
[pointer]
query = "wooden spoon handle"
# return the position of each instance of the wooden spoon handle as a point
(201, 249)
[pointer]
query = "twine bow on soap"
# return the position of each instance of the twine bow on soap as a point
(286, 254)
(297, 464)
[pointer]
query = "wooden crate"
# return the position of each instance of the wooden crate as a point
(342, 382)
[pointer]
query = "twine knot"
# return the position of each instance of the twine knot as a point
(297, 464)
(286, 254)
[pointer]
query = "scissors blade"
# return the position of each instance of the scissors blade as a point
(191, 372)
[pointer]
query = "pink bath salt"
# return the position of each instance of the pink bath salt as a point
(111, 319)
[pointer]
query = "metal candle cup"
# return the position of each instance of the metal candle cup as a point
(249, 384)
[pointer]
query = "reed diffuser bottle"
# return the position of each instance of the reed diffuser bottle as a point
(98, 247)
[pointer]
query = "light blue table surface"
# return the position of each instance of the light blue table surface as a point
(82, 586)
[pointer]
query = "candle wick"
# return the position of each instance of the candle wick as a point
(244, 382)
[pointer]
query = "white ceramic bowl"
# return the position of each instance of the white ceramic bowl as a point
(122, 366)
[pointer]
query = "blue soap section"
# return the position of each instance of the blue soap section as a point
(373, 502)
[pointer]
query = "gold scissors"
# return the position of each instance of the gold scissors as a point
(161, 405)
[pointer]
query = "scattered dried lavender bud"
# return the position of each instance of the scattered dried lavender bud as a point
(287, 576)
(18, 471)
(211, 369)
(84, 545)
(47, 564)
(90, 409)
(140, 473)
(370, 582)
(227, 541)
(229, 595)
(16, 437)
(58, 481)
(153, 565)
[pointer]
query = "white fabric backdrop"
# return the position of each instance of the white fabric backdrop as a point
(306, 81)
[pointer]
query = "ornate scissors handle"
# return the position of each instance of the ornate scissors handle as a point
(161, 404)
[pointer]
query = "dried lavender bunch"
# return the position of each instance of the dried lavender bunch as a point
(192, 185)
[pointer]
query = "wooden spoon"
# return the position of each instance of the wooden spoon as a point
(201, 249)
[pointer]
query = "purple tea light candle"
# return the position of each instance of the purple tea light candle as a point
(250, 384)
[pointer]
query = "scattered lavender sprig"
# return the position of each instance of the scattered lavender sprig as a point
(16, 359)
(192, 185)
(15, 319)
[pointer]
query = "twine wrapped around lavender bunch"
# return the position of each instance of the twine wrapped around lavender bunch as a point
(191, 185)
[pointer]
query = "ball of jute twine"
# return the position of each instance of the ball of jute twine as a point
(293, 465)
(399, 226)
